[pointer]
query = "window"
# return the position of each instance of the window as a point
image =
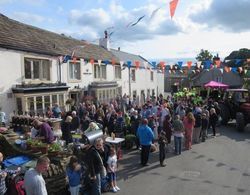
(118, 71)
(74, 71)
(100, 72)
(151, 75)
(36, 69)
(133, 74)
(30, 104)
(39, 104)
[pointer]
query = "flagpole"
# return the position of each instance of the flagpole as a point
(129, 81)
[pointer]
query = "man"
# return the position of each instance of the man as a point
(34, 183)
(3, 175)
(45, 131)
(95, 166)
(146, 136)
(56, 111)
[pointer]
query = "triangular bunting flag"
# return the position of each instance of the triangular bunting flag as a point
(106, 62)
(113, 61)
(99, 62)
(199, 64)
(92, 61)
(173, 5)
(82, 62)
(153, 64)
(137, 64)
(121, 63)
(189, 64)
(180, 64)
(146, 65)
(129, 64)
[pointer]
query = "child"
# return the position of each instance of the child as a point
(111, 169)
(73, 172)
(162, 147)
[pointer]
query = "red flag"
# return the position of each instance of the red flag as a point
(137, 64)
(74, 60)
(162, 64)
(92, 61)
(173, 5)
(189, 64)
(113, 61)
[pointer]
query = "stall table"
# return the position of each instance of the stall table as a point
(117, 143)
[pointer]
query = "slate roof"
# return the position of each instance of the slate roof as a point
(124, 56)
(22, 37)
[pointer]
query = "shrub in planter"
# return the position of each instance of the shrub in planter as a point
(54, 149)
(129, 140)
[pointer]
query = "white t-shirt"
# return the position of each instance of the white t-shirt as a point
(34, 183)
(112, 163)
(2, 117)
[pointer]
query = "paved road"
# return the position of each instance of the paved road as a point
(220, 166)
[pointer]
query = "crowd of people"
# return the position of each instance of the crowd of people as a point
(159, 121)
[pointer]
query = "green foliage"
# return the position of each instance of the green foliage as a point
(130, 138)
(241, 54)
(204, 55)
(55, 147)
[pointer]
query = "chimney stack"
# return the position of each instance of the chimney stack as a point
(104, 42)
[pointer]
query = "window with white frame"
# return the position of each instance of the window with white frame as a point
(151, 75)
(118, 72)
(100, 72)
(38, 69)
(133, 75)
(39, 103)
(74, 71)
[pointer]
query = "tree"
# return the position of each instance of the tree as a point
(204, 55)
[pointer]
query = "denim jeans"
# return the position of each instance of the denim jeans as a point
(178, 144)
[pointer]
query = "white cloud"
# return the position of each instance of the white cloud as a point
(27, 17)
(118, 17)
(227, 15)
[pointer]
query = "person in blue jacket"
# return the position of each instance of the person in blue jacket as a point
(145, 135)
(73, 172)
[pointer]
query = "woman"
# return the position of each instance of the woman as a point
(213, 120)
(92, 127)
(189, 122)
(66, 130)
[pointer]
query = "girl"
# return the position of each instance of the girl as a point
(112, 167)
(189, 122)
(73, 172)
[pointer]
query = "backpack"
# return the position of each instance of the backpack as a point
(16, 185)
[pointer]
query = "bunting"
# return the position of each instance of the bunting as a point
(121, 63)
(113, 61)
(99, 62)
(137, 64)
(189, 64)
(173, 5)
(92, 61)
(129, 64)
(180, 64)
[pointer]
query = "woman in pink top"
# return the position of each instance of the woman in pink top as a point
(189, 122)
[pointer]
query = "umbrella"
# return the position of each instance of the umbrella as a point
(214, 84)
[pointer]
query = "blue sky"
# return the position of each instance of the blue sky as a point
(218, 26)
